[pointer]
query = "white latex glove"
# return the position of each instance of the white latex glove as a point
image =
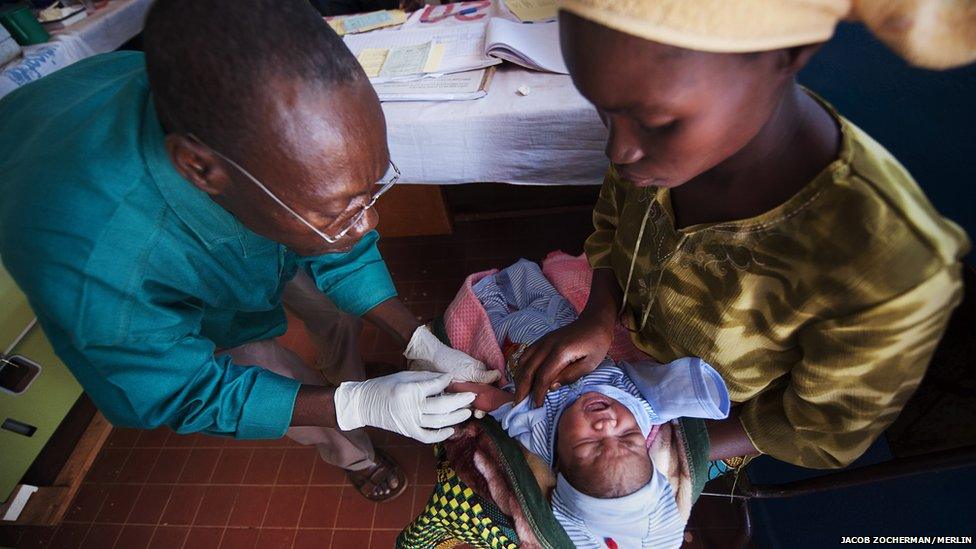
(427, 353)
(408, 403)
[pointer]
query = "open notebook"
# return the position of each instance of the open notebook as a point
(533, 46)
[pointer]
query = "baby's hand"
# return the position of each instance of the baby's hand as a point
(489, 398)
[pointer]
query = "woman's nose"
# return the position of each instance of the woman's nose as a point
(623, 145)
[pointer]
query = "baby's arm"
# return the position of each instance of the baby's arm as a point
(489, 398)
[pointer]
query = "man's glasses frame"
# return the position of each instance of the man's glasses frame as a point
(393, 175)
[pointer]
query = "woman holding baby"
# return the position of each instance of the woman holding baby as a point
(746, 222)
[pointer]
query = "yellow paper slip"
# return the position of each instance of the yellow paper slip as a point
(434, 59)
(336, 25)
(372, 60)
(532, 10)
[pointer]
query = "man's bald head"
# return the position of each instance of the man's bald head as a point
(270, 85)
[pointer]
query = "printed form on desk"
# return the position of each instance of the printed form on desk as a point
(401, 63)
(462, 47)
(406, 61)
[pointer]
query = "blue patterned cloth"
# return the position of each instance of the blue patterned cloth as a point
(521, 304)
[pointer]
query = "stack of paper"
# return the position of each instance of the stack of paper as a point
(534, 47)
(449, 87)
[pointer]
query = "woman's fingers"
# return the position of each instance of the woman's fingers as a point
(562, 369)
(528, 353)
(547, 374)
(577, 369)
(528, 364)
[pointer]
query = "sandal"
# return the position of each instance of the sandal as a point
(368, 481)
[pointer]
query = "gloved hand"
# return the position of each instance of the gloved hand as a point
(408, 403)
(427, 353)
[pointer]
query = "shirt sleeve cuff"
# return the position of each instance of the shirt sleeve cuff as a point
(268, 409)
(357, 280)
(371, 286)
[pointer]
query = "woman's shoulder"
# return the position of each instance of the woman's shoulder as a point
(871, 225)
(889, 202)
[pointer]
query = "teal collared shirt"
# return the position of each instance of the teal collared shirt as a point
(135, 275)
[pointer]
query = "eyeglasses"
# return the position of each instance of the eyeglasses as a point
(389, 179)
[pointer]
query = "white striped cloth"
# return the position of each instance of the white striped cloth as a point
(648, 518)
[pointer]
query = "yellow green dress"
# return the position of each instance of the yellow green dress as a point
(821, 314)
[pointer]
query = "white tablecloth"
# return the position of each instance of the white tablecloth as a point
(102, 31)
(551, 136)
(110, 27)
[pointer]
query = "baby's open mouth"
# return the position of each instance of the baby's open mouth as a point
(596, 403)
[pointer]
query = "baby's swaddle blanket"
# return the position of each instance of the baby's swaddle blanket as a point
(522, 307)
(469, 330)
(687, 387)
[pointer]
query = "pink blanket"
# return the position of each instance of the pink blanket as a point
(469, 329)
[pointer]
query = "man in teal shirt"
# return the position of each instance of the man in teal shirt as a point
(157, 208)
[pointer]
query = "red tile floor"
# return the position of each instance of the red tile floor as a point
(158, 489)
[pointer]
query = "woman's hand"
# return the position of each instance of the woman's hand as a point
(563, 356)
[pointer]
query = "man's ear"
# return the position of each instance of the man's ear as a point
(197, 164)
(795, 58)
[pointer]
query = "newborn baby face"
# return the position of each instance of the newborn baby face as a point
(598, 426)
(600, 447)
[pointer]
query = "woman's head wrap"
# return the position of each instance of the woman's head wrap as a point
(935, 34)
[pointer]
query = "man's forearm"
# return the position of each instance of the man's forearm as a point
(393, 317)
(314, 407)
(727, 438)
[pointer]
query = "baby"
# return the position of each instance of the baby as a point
(593, 432)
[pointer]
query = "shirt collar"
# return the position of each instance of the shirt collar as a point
(208, 221)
